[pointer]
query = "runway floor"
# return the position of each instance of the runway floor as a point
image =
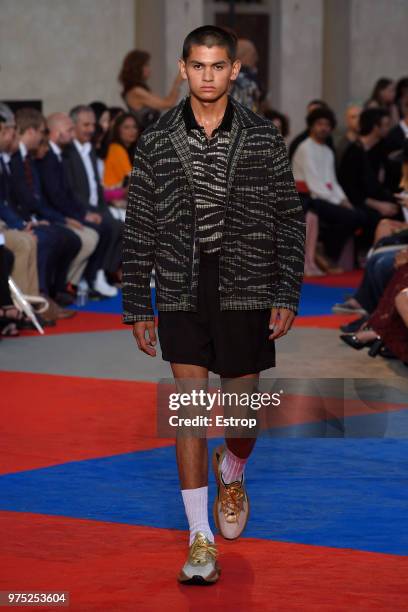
(89, 496)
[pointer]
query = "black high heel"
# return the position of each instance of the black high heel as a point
(376, 347)
(355, 343)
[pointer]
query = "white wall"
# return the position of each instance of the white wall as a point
(64, 52)
(301, 47)
(379, 43)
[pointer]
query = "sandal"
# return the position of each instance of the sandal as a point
(11, 313)
(10, 331)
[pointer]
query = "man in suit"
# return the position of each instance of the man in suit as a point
(82, 175)
(61, 198)
(29, 203)
(22, 244)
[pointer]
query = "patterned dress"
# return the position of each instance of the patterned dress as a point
(386, 320)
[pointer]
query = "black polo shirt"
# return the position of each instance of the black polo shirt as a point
(209, 157)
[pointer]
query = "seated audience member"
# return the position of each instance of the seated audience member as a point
(383, 96)
(22, 244)
(280, 120)
(394, 145)
(56, 244)
(81, 172)
(313, 105)
(386, 330)
(9, 315)
(60, 197)
(351, 117)
(121, 150)
(320, 192)
(119, 161)
(359, 170)
(100, 138)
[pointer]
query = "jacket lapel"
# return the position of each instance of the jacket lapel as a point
(178, 137)
(237, 140)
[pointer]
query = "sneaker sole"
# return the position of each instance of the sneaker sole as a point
(200, 580)
(215, 462)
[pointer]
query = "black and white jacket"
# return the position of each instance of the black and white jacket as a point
(262, 249)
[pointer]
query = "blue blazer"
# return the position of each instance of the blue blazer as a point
(30, 201)
(56, 189)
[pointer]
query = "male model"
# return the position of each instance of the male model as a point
(213, 207)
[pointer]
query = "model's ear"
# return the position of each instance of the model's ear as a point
(236, 67)
(182, 68)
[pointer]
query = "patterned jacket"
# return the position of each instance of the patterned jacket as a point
(262, 249)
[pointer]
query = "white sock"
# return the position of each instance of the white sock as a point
(232, 467)
(196, 506)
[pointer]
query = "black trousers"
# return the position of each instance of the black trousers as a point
(108, 253)
(57, 246)
(339, 223)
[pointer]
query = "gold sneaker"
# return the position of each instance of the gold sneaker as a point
(231, 505)
(201, 567)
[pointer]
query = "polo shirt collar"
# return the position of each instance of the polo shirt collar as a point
(191, 122)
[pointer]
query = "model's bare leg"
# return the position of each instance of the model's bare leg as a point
(191, 451)
(312, 233)
(241, 447)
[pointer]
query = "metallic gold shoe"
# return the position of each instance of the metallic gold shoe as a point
(231, 505)
(201, 567)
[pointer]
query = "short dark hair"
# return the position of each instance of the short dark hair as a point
(369, 118)
(211, 36)
(321, 113)
(273, 114)
(27, 118)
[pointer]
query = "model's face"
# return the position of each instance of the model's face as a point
(128, 131)
(352, 118)
(321, 129)
(209, 71)
(85, 126)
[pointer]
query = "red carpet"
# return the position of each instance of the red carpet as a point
(332, 321)
(108, 567)
(48, 419)
(347, 279)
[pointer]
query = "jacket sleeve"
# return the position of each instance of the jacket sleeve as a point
(139, 240)
(10, 218)
(290, 227)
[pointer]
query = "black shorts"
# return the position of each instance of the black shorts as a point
(229, 342)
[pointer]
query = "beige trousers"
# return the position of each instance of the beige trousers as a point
(89, 239)
(25, 271)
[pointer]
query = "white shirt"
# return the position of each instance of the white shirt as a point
(57, 150)
(6, 158)
(85, 152)
(314, 164)
(23, 150)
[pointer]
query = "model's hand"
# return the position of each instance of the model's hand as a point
(139, 332)
(281, 321)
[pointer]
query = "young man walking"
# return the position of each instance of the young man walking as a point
(213, 207)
